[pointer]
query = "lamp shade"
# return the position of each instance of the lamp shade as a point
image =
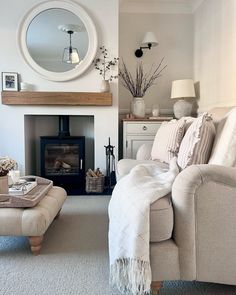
(149, 38)
(70, 55)
(182, 88)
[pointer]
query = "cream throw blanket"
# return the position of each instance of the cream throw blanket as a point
(129, 227)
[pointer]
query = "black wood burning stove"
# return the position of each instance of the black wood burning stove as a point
(63, 158)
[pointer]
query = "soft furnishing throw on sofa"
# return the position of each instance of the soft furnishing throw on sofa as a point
(129, 225)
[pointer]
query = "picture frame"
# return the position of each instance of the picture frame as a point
(10, 81)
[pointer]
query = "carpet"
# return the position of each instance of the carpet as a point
(74, 258)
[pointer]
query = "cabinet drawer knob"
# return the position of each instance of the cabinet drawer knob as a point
(144, 127)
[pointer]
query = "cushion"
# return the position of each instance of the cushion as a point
(224, 148)
(188, 121)
(167, 140)
(161, 219)
(197, 143)
(161, 211)
(125, 165)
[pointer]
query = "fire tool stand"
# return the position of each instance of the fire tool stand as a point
(110, 167)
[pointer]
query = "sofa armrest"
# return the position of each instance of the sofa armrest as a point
(144, 151)
(204, 201)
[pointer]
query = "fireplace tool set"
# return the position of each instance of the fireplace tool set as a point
(110, 167)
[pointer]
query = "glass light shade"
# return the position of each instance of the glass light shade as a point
(149, 38)
(182, 88)
(71, 55)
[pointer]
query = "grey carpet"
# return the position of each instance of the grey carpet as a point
(74, 258)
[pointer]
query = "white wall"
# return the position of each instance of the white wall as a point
(105, 16)
(175, 35)
(215, 53)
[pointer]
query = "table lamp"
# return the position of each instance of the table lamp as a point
(182, 89)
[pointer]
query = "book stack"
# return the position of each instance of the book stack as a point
(22, 188)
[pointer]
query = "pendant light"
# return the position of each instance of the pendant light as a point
(70, 54)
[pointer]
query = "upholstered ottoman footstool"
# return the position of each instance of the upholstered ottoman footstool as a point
(33, 222)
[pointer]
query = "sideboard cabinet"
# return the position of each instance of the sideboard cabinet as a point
(137, 132)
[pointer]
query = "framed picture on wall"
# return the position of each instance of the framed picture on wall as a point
(9, 81)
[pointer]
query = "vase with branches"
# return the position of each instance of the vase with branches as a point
(139, 83)
(105, 66)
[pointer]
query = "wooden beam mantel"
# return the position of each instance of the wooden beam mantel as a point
(57, 98)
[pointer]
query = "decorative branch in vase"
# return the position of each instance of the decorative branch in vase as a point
(105, 66)
(139, 84)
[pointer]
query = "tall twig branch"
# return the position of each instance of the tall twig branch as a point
(105, 65)
(141, 82)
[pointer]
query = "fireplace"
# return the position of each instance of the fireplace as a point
(62, 158)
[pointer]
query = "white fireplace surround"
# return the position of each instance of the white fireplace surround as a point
(12, 118)
(17, 138)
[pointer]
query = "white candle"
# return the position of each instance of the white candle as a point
(15, 175)
(24, 86)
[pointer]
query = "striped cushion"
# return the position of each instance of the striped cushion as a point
(188, 121)
(167, 140)
(197, 143)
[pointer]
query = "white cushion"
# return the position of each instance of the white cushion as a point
(167, 140)
(224, 148)
(125, 165)
(196, 145)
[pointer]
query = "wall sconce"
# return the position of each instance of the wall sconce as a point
(70, 54)
(182, 89)
(148, 42)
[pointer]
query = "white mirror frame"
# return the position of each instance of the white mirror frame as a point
(89, 25)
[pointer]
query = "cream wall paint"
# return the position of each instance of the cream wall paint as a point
(215, 53)
(12, 117)
(175, 35)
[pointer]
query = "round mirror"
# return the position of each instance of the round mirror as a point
(58, 40)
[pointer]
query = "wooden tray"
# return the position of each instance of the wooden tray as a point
(29, 200)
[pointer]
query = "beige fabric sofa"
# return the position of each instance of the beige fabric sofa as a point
(33, 222)
(193, 229)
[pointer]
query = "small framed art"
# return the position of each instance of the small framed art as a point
(9, 81)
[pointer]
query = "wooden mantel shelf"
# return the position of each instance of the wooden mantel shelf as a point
(57, 98)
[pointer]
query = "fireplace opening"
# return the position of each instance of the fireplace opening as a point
(63, 158)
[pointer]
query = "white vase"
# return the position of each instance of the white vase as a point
(105, 86)
(138, 107)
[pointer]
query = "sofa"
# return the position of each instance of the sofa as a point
(193, 229)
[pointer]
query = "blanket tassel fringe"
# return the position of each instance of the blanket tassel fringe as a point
(131, 276)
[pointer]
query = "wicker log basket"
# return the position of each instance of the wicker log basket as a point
(94, 181)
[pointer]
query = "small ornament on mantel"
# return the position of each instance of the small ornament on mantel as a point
(106, 66)
(105, 86)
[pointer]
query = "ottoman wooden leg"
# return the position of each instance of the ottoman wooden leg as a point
(156, 286)
(35, 244)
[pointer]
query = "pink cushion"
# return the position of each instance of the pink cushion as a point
(167, 140)
(197, 143)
